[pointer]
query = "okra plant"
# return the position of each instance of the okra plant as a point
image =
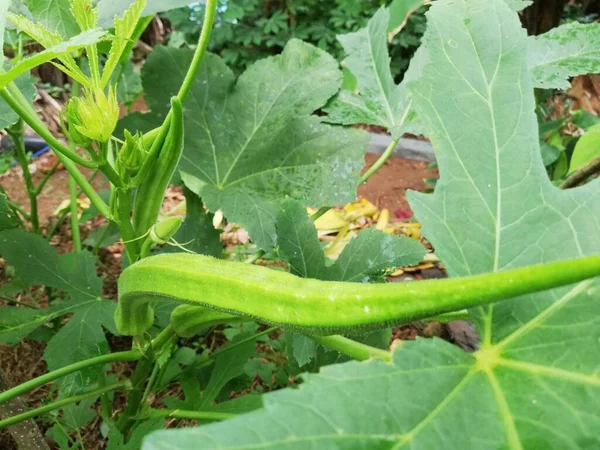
(521, 253)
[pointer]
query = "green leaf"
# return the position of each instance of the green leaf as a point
(240, 405)
(518, 5)
(250, 144)
(197, 233)
(55, 15)
(111, 8)
(116, 441)
(228, 366)
(567, 51)
(586, 149)
(584, 119)
(367, 255)
(124, 28)
(17, 323)
(3, 10)
(380, 102)
(85, 15)
(7, 116)
(400, 11)
(304, 349)
(86, 38)
(36, 262)
(84, 338)
(525, 363)
(8, 218)
(129, 84)
(535, 381)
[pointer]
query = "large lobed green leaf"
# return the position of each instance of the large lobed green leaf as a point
(366, 256)
(379, 101)
(566, 51)
(111, 8)
(36, 262)
(251, 143)
(535, 382)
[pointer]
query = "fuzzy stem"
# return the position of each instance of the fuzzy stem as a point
(133, 355)
(209, 18)
(182, 414)
(126, 385)
(380, 162)
(16, 133)
(356, 350)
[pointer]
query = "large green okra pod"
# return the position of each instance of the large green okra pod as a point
(320, 307)
(150, 194)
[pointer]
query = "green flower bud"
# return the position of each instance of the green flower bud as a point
(163, 231)
(69, 120)
(132, 155)
(94, 115)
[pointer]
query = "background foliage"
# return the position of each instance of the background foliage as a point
(248, 30)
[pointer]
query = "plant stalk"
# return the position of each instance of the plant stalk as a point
(132, 355)
(209, 18)
(582, 174)
(380, 161)
(125, 385)
(356, 350)
(16, 133)
(182, 414)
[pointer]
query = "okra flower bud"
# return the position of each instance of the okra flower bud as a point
(94, 115)
(132, 155)
(69, 123)
(163, 231)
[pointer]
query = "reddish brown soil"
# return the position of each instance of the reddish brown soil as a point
(385, 189)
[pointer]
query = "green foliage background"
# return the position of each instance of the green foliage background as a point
(248, 30)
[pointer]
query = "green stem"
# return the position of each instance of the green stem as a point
(65, 212)
(47, 176)
(110, 173)
(18, 209)
(73, 206)
(163, 338)
(11, 97)
(380, 162)
(209, 18)
(356, 350)
(74, 215)
(123, 220)
(320, 213)
(105, 408)
(133, 355)
(16, 133)
(259, 254)
(230, 347)
(17, 302)
(140, 375)
(182, 414)
(125, 385)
